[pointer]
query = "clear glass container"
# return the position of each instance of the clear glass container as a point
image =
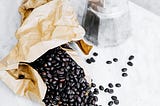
(80, 7)
(107, 22)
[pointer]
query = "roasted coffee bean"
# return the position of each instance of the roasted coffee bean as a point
(115, 59)
(124, 69)
(114, 97)
(88, 61)
(131, 57)
(95, 98)
(130, 63)
(106, 90)
(108, 62)
(116, 102)
(124, 74)
(95, 54)
(101, 87)
(118, 85)
(110, 103)
(110, 85)
(93, 85)
(92, 59)
(96, 91)
(111, 91)
(20, 76)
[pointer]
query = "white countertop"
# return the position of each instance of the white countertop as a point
(141, 87)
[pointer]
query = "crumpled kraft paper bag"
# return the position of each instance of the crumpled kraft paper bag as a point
(27, 7)
(32, 86)
(47, 26)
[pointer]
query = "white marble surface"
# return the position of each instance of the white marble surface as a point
(140, 88)
(151, 5)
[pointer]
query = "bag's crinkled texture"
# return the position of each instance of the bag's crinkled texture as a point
(46, 27)
(27, 7)
(31, 86)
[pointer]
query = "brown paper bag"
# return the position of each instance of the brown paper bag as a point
(27, 7)
(46, 27)
(31, 86)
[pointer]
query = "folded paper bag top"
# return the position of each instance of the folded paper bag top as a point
(46, 27)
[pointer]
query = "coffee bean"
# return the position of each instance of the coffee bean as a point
(116, 102)
(130, 63)
(114, 97)
(49, 64)
(106, 90)
(115, 59)
(124, 69)
(96, 98)
(96, 91)
(108, 62)
(110, 85)
(101, 87)
(93, 85)
(110, 91)
(92, 59)
(131, 57)
(20, 76)
(118, 85)
(95, 54)
(88, 61)
(110, 103)
(124, 74)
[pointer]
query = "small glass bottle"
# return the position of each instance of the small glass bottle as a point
(107, 22)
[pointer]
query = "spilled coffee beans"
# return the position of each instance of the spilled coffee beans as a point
(65, 80)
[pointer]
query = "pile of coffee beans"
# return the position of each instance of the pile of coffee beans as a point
(107, 90)
(65, 80)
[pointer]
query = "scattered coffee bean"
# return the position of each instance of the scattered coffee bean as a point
(93, 85)
(124, 74)
(110, 91)
(101, 87)
(130, 63)
(131, 57)
(110, 85)
(92, 59)
(124, 69)
(88, 61)
(106, 90)
(95, 54)
(110, 103)
(20, 76)
(114, 97)
(108, 62)
(118, 85)
(116, 102)
(115, 59)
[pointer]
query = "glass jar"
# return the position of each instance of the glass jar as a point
(80, 7)
(107, 22)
